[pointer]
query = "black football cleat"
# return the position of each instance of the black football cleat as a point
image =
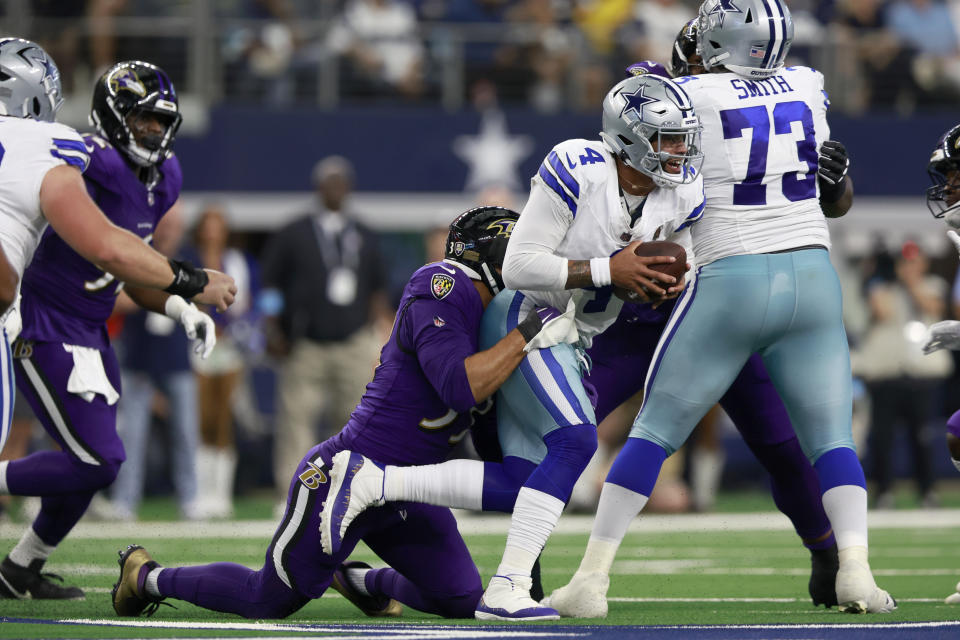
(824, 564)
(21, 583)
(130, 598)
(373, 606)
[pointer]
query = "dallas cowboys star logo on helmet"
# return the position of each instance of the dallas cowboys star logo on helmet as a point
(635, 101)
(722, 8)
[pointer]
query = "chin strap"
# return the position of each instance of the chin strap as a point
(492, 279)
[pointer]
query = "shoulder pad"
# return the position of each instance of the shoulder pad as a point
(105, 160)
(574, 166)
(439, 281)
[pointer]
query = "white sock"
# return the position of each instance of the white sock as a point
(30, 548)
(846, 506)
(357, 579)
(535, 514)
(4, 489)
(150, 584)
(455, 483)
(706, 470)
(585, 492)
(617, 509)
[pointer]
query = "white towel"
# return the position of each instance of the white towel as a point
(88, 377)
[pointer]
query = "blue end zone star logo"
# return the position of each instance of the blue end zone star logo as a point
(722, 8)
(635, 101)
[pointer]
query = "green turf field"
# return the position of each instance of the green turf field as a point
(717, 569)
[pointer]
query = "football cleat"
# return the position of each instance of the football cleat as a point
(21, 583)
(953, 598)
(585, 596)
(130, 598)
(823, 576)
(373, 606)
(857, 592)
(508, 598)
(356, 483)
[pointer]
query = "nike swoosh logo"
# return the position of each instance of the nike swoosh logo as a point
(447, 269)
(571, 162)
(20, 595)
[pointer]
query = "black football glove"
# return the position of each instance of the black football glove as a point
(832, 167)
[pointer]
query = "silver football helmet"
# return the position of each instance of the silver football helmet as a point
(649, 123)
(751, 38)
(29, 81)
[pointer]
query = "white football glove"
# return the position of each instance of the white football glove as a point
(559, 330)
(197, 325)
(943, 335)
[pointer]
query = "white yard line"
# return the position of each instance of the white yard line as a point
(471, 523)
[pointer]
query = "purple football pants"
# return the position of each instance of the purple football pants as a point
(621, 356)
(431, 568)
(91, 451)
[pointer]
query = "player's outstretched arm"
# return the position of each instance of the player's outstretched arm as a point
(198, 326)
(77, 219)
(542, 328)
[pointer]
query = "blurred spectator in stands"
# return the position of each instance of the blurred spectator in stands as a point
(56, 28)
(154, 363)
(324, 288)
(881, 66)
(219, 374)
(901, 380)
(259, 56)
(926, 28)
(380, 41)
(650, 34)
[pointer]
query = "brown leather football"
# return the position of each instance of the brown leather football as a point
(658, 248)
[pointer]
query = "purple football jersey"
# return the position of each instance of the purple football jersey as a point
(65, 297)
(418, 405)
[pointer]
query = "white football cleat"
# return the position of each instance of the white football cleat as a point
(508, 598)
(356, 483)
(953, 598)
(585, 596)
(857, 592)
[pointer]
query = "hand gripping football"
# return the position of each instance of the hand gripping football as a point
(658, 248)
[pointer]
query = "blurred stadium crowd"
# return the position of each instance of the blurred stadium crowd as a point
(292, 359)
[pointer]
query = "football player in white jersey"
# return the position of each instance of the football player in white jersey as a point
(41, 182)
(591, 203)
(764, 285)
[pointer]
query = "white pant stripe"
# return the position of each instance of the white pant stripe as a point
(7, 392)
(549, 384)
(298, 509)
(53, 410)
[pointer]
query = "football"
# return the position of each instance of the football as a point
(658, 248)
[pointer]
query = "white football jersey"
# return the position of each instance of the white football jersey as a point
(28, 150)
(576, 211)
(760, 142)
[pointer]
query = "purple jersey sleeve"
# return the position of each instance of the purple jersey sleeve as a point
(437, 331)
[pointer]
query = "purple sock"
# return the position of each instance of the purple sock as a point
(232, 588)
(449, 603)
(637, 466)
(953, 424)
(796, 491)
(839, 467)
(59, 514)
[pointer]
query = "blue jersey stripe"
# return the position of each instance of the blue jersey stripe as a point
(73, 152)
(564, 174)
(551, 182)
(693, 217)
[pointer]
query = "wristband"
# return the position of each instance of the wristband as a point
(530, 326)
(831, 193)
(188, 281)
(600, 271)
